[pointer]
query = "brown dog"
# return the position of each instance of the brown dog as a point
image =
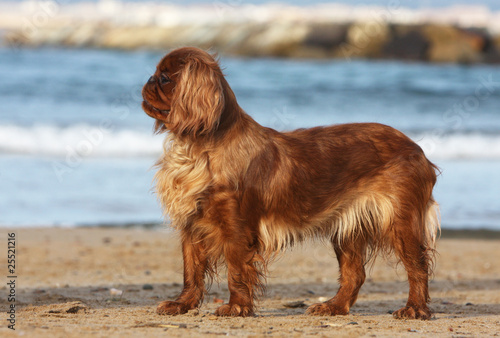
(239, 192)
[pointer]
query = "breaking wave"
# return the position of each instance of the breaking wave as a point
(95, 141)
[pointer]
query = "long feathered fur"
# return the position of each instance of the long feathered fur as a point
(240, 193)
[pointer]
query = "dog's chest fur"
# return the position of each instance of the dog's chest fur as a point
(182, 181)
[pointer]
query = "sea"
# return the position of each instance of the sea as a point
(77, 149)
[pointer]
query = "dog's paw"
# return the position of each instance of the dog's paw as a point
(234, 310)
(171, 308)
(410, 312)
(326, 309)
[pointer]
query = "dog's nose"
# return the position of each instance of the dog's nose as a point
(151, 79)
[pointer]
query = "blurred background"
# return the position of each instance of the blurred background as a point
(76, 148)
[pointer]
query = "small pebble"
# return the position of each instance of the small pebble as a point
(147, 287)
(71, 307)
(331, 325)
(115, 292)
(99, 290)
(294, 305)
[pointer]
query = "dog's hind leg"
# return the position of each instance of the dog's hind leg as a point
(410, 247)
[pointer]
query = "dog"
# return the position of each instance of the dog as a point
(240, 193)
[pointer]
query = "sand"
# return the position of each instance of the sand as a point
(69, 283)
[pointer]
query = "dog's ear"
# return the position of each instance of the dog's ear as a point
(198, 100)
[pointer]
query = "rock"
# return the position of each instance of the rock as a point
(232, 37)
(490, 52)
(294, 305)
(71, 307)
(326, 325)
(100, 289)
(115, 292)
(325, 35)
(368, 38)
(147, 287)
(451, 44)
(322, 39)
(407, 43)
(278, 39)
(281, 36)
(496, 42)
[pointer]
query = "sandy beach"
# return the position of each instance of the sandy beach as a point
(106, 282)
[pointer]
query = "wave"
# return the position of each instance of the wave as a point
(78, 140)
(94, 141)
(461, 146)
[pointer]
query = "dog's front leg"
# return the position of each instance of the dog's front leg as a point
(195, 267)
(243, 278)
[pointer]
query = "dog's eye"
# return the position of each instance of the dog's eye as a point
(164, 79)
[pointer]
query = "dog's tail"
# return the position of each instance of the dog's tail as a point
(432, 230)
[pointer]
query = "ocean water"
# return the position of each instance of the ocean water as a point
(76, 148)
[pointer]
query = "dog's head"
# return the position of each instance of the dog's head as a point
(185, 95)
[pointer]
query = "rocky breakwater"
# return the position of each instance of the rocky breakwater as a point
(457, 35)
